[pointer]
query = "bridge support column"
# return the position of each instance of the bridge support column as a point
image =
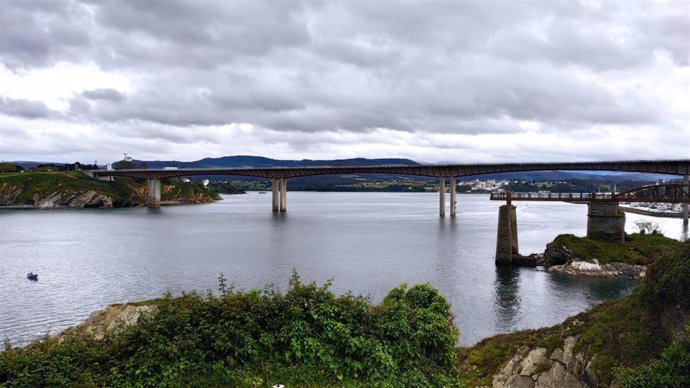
(453, 201)
(275, 190)
(154, 193)
(605, 222)
(283, 194)
(686, 182)
(442, 197)
(507, 236)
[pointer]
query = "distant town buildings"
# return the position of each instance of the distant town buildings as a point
(488, 185)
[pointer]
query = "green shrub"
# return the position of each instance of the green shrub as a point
(671, 370)
(306, 337)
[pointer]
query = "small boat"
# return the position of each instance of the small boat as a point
(32, 276)
(262, 192)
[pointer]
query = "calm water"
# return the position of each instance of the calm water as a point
(367, 242)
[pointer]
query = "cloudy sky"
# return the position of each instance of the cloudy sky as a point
(456, 81)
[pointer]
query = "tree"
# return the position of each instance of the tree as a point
(7, 167)
(648, 227)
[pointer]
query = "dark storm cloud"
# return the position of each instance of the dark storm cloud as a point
(309, 67)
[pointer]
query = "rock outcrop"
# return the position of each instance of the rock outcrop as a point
(104, 321)
(88, 199)
(540, 368)
(561, 259)
(586, 268)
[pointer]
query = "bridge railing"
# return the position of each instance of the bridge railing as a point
(540, 196)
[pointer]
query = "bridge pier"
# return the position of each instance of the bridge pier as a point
(283, 194)
(275, 191)
(154, 193)
(279, 191)
(453, 201)
(686, 182)
(507, 236)
(605, 222)
(442, 197)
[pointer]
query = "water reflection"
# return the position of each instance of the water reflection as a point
(507, 296)
(595, 288)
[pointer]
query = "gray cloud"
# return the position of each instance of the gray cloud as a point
(25, 108)
(472, 69)
(104, 94)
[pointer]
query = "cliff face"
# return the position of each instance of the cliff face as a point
(47, 190)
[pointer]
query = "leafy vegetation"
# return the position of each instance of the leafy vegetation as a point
(305, 337)
(9, 167)
(634, 336)
(225, 188)
(671, 370)
(637, 248)
(645, 226)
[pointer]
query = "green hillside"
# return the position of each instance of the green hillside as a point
(75, 189)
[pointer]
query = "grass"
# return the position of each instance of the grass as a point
(637, 248)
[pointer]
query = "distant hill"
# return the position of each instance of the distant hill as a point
(260, 161)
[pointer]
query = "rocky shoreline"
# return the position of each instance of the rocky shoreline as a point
(586, 268)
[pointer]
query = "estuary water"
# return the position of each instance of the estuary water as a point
(368, 243)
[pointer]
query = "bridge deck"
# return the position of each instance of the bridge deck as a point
(559, 197)
(642, 194)
(672, 167)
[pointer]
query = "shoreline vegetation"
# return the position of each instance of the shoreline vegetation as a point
(49, 190)
(309, 337)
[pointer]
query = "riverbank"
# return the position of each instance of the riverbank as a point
(310, 337)
(641, 340)
(50, 190)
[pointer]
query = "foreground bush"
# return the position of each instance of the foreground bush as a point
(306, 337)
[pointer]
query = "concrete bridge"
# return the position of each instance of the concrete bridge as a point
(280, 175)
(605, 221)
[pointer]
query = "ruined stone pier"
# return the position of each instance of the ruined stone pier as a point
(605, 222)
(507, 235)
